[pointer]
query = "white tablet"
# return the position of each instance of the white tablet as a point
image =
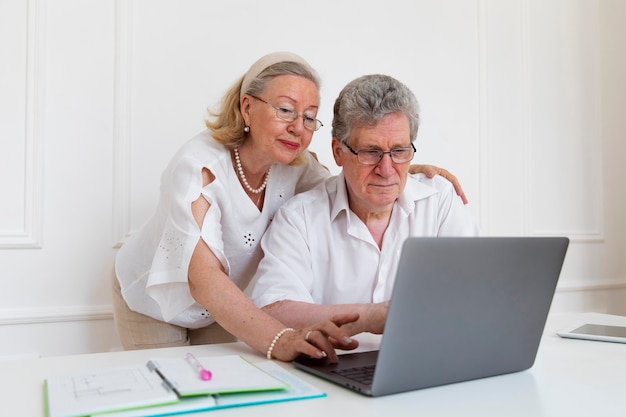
(601, 332)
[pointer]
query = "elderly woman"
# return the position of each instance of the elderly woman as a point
(180, 279)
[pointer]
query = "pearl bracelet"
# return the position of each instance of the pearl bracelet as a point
(278, 335)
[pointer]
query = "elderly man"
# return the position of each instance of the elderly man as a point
(336, 248)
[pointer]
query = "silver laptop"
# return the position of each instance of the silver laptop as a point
(461, 309)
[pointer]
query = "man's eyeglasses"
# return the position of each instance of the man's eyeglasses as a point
(287, 115)
(374, 156)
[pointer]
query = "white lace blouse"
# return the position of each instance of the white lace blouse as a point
(152, 265)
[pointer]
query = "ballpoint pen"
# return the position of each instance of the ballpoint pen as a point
(204, 374)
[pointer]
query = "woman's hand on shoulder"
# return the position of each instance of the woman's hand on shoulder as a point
(317, 341)
(432, 170)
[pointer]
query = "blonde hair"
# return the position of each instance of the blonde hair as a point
(227, 124)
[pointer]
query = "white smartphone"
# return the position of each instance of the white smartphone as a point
(600, 332)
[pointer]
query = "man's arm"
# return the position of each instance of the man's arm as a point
(300, 314)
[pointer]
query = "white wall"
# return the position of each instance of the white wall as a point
(522, 100)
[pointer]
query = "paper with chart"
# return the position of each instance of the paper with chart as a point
(100, 390)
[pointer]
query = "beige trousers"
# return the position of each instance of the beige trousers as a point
(138, 331)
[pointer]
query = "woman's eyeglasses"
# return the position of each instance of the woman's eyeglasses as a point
(287, 115)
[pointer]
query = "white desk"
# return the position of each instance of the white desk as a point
(569, 378)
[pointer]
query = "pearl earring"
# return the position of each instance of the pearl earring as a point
(246, 129)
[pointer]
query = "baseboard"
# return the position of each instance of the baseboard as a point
(105, 312)
(600, 285)
(55, 314)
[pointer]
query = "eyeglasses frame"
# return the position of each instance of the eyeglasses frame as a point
(318, 122)
(381, 153)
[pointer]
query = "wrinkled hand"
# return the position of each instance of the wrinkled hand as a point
(372, 318)
(317, 341)
(432, 170)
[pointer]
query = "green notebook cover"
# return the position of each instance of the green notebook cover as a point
(298, 390)
(160, 382)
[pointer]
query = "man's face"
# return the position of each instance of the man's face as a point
(374, 188)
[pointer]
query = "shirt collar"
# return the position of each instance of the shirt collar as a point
(340, 202)
(414, 191)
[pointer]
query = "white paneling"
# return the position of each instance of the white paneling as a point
(522, 99)
(69, 74)
(431, 46)
(540, 125)
(543, 121)
(21, 36)
(564, 132)
(58, 338)
(613, 60)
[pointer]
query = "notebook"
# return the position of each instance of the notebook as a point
(462, 308)
(160, 383)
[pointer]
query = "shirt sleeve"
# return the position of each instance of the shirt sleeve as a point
(285, 271)
(454, 216)
(167, 281)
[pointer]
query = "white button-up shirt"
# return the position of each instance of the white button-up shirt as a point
(317, 250)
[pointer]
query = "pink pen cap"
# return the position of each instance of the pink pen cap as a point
(204, 374)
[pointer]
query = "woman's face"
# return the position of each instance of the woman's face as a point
(275, 140)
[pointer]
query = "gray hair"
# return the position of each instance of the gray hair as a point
(365, 101)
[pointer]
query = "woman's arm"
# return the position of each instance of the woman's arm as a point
(211, 287)
(234, 311)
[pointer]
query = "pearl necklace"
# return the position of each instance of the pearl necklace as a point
(244, 179)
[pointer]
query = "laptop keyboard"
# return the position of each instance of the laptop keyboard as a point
(362, 374)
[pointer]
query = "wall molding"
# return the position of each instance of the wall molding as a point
(31, 234)
(521, 27)
(482, 36)
(9, 317)
(596, 285)
(594, 233)
(122, 114)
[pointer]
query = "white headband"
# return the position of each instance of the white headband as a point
(267, 61)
